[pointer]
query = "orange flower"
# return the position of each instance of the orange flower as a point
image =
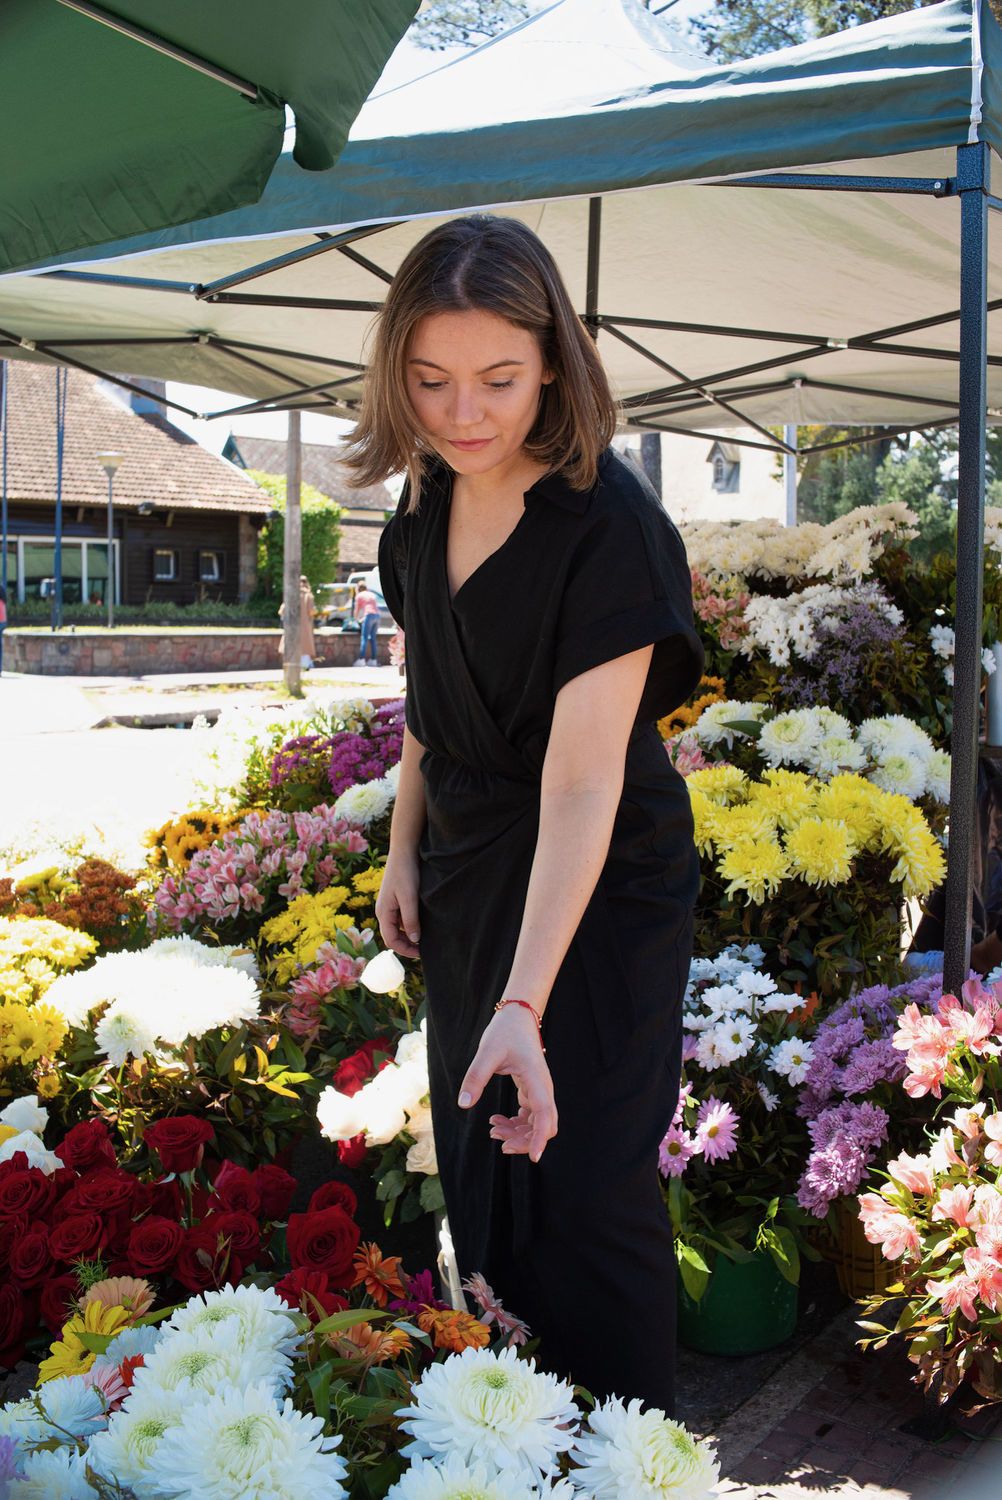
(453, 1330)
(129, 1292)
(806, 1010)
(379, 1273)
(375, 1345)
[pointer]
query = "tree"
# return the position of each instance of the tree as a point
(916, 479)
(321, 536)
(466, 23)
(734, 29)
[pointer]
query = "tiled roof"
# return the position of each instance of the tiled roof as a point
(321, 468)
(359, 544)
(161, 466)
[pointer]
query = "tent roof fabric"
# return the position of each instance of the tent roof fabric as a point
(105, 135)
(715, 304)
(161, 466)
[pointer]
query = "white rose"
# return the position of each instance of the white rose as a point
(383, 973)
(421, 1156)
(340, 1115)
(33, 1148)
(25, 1114)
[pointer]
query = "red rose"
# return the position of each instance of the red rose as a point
(56, 1305)
(11, 1231)
(324, 1241)
(167, 1199)
(87, 1145)
(78, 1237)
(25, 1191)
(275, 1187)
(200, 1264)
(105, 1190)
(236, 1188)
(180, 1142)
(351, 1153)
(18, 1313)
(357, 1069)
(302, 1290)
(30, 1258)
(153, 1245)
(240, 1228)
(334, 1195)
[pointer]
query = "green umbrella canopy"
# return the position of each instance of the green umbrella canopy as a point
(596, 102)
(106, 134)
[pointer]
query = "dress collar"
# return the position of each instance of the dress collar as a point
(552, 487)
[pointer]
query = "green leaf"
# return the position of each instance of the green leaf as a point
(349, 1319)
(694, 1271)
(431, 1195)
(391, 1186)
(229, 1054)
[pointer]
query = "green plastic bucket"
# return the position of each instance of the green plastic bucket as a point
(747, 1306)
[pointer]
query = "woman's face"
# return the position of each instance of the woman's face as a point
(474, 381)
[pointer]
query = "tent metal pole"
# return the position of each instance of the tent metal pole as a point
(972, 182)
(790, 472)
(4, 377)
(324, 243)
(168, 49)
(591, 318)
(838, 182)
(62, 376)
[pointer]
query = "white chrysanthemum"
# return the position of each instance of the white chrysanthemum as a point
(384, 973)
(75, 995)
(212, 1359)
(123, 1453)
(904, 774)
(752, 983)
(365, 801)
(834, 753)
(209, 955)
(393, 777)
(240, 1445)
(492, 1407)
(456, 1479)
(791, 1059)
(22, 1420)
(715, 1048)
(937, 775)
(124, 1031)
(724, 999)
(34, 1149)
(25, 1114)
(713, 727)
(71, 1405)
(789, 738)
(257, 1316)
(203, 999)
(133, 1341)
(626, 1453)
(942, 641)
(54, 1474)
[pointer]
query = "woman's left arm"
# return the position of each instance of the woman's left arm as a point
(581, 786)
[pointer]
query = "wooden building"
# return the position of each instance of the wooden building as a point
(185, 522)
(365, 511)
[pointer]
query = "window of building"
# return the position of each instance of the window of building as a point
(719, 473)
(165, 565)
(210, 567)
(31, 567)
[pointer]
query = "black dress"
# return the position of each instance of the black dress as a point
(579, 1245)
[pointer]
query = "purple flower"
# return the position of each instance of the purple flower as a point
(845, 1140)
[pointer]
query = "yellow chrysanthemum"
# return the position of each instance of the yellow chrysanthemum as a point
(821, 851)
(921, 863)
(308, 921)
(704, 814)
(854, 801)
(33, 951)
(757, 867)
(68, 1355)
(725, 785)
(788, 796)
(733, 825)
(22, 1039)
(368, 882)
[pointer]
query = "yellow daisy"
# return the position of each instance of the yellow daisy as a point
(68, 1355)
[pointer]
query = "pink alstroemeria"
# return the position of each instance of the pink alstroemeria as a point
(971, 1027)
(993, 1130)
(954, 1204)
(959, 1292)
(716, 1129)
(913, 1172)
(893, 1231)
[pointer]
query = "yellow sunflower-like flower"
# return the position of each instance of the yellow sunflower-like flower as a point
(684, 717)
(821, 851)
(68, 1355)
(177, 840)
(757, 867)
(726, 785)
(788, 796)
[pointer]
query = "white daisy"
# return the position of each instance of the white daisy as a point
(626, 1453)
(241, 1445)
(769, 1099)
(54, 1474)
(791, 1059)
(493, 1407)
(740, 1033)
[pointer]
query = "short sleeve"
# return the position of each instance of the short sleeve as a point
(392, 558)
(629, 586)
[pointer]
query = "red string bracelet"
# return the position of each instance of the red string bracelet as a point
(531, 1008)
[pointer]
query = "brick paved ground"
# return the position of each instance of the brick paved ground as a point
(842, 1422)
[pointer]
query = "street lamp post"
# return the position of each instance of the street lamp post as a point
(109, 463)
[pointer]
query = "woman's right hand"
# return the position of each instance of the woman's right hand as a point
(397, 905)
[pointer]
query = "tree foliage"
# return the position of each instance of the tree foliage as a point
(321, 536)
(466, 23)
(735, 29)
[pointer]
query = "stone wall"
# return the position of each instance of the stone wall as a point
(134, 653)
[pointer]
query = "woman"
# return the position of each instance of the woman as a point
(307, 609)
(541, 851)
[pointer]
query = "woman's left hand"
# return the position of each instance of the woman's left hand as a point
(511, 1047)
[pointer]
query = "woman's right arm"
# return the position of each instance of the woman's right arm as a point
(397, 903)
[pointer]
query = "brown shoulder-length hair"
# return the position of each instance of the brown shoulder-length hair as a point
(491, 265)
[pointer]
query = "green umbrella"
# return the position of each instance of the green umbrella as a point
(128, 116)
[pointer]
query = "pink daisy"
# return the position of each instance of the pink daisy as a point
(716, 1129)
(676, 1150)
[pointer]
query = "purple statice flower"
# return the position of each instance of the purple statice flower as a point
(853, 649)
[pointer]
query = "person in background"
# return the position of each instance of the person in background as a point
(366, 611)
(307, 609)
